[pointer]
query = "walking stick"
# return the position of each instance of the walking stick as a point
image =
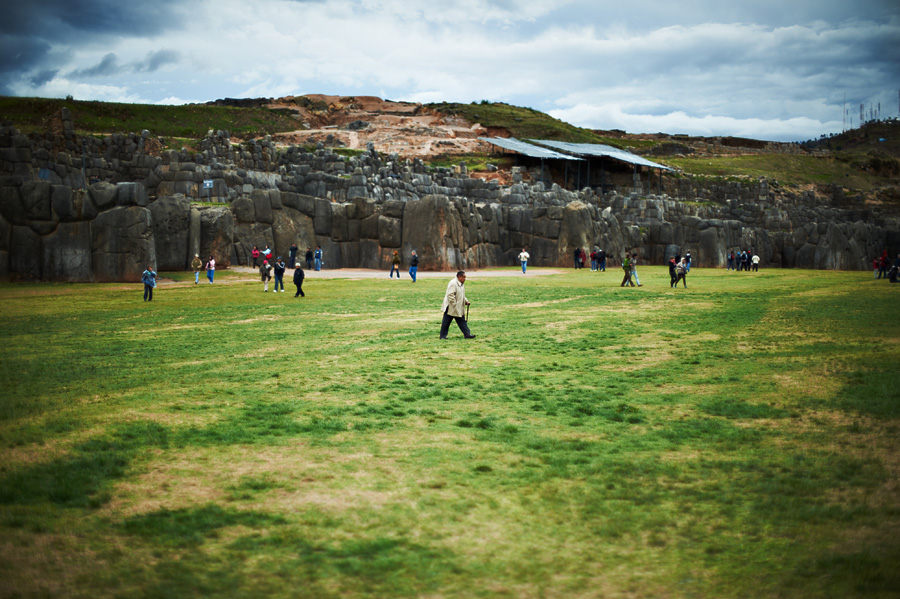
(467, 312)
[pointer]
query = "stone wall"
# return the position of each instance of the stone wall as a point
(148, 206)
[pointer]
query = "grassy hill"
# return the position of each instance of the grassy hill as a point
(190, 121)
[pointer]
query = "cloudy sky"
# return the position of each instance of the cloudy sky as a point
(767, 69)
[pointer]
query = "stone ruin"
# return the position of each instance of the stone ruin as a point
(83, 208)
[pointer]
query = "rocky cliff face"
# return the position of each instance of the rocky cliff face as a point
(144, 209)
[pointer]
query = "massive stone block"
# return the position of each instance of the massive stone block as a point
(103, 196)
(390, 232)
(262, 206)
(292, 226)
(216, 234)
(432, 227)
(246, 236)
(576, 230)
(171, 217)
(710, 249)
(131, 194)
(24, 253)
(244, 210)
(122, 244)
(322, 219)
(67, 254)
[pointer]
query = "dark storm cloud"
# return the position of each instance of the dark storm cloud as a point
(157, 60)
(29, 30)
(42, 77)
(108, 66)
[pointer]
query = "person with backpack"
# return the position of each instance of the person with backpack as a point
(626, 266)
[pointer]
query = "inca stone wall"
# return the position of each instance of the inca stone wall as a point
(78, 208)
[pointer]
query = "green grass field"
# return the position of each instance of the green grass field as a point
(738, 438)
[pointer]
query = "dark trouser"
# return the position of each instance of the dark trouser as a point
(395, 268)
(299, 290)
(293, 261)
(673, 278)
(627, 280)
(460, 321)
(279, 280)
(681, 277)
(148, 293)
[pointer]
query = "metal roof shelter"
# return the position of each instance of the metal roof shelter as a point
(533, 151)
(602, 151)
(511, 143)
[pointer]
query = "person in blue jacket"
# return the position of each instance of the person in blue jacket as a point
(148, 278)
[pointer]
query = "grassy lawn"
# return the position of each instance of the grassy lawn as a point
(738, 438)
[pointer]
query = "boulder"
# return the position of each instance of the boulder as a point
(122, 244)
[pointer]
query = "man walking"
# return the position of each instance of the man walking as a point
(196, 264)
(523, 258)
(454, 306)
(413, 266)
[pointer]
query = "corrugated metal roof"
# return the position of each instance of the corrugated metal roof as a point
(602, 151)
(511, 143)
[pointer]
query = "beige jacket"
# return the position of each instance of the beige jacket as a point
(455, 298)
